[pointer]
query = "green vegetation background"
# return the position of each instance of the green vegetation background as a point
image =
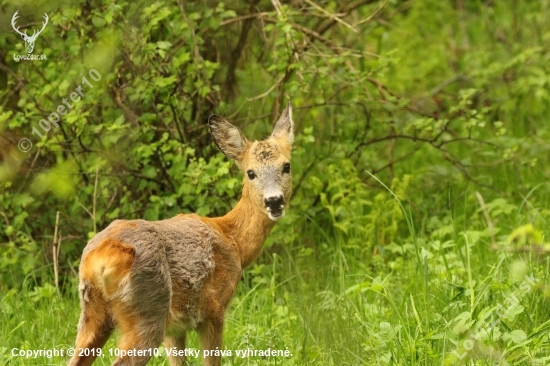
(420, 168)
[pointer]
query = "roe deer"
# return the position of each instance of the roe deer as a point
(157, 280)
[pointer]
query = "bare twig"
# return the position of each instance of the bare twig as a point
(373, 14)
(244, 17)
(268, 91)
(487, 218)
(345, 11)
(331, 16)
(277, 5)
(85, 209)
(94, 199)
(31, 167)
(132, 116)
(315, 35)
(395, 161)
(55, 252)
(230, 79)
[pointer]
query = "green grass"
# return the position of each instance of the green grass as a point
(357, 274)
(332, 298)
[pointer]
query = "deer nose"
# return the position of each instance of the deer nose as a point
(274, 203)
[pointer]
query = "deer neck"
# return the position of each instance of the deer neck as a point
(248, 226)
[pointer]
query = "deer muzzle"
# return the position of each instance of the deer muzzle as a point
(275, 206)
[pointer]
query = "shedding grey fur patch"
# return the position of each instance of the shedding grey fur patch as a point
(177, 252)
(265, 151)
(169, 252)
(84, 288)
(125, 292)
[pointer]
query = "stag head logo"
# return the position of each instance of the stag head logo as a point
(29, 40)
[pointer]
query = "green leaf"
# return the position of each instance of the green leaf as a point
(516, 336)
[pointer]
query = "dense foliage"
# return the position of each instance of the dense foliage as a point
(421, 194)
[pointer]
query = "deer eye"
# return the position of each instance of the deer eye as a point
(251, 174)
(286, 168)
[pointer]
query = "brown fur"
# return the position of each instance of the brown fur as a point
(158, 280)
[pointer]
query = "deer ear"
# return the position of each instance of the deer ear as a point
(284, 129)
(229, 138)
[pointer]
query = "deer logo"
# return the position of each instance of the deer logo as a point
(157, 280)
(29, 40)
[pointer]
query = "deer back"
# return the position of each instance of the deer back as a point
(161, 264)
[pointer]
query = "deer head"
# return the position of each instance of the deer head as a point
(29, 40)
(266, 163)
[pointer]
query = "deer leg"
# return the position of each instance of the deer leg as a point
(210, 335)
(176, 343)
(94, 327)
(141, 332)
(139, 339)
